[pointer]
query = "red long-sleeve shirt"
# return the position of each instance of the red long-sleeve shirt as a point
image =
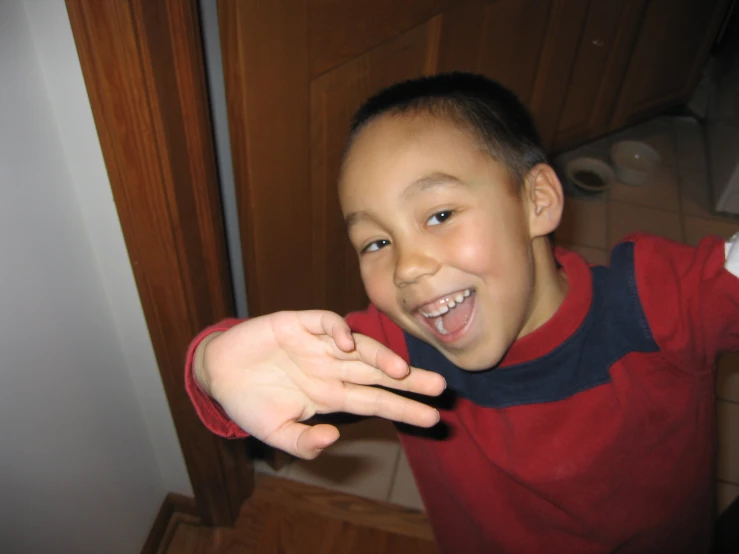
(596, 433)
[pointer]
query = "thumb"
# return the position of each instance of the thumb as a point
(304, 441)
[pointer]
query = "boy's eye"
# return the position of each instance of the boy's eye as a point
(375, 246)
(439, 217)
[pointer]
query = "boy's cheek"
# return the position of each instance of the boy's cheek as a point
(377, 286)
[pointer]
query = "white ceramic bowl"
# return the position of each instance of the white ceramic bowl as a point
(635, 162)
(589, 174)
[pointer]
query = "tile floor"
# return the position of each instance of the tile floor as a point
(368, 460)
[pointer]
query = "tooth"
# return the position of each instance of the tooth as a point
(459, 298)
(443, 310)
(440, 326)
(467, 292)
(451, 304)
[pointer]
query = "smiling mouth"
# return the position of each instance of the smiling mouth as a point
(448, 316)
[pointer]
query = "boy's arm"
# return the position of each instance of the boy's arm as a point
(209, 412)
(273, 373)
(197, 386)
(690, 297)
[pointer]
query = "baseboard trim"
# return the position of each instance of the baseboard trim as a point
(174, 508)
(177, 509)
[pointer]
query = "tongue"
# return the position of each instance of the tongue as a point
(457, 317)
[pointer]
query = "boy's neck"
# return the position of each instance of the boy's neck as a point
(550, 286)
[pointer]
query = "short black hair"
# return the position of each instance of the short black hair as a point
(482, 106)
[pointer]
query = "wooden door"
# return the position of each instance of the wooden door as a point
(144, 72)
(672, 32)
(603, 54)
(295, 72)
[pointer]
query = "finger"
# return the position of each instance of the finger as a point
(370, 401)
(418, 381)
(320, 322)
(380, 356)
(303, 441)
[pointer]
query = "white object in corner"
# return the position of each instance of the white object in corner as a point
(732, 255)
(723, 153)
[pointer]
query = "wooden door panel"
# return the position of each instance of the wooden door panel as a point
(295, 72)
(334, 98)
(555, 65)
(672, 31)
(512, 36)
(340, 30)
(499, 39)
(526, 45)
(600, 63)
(265, 61)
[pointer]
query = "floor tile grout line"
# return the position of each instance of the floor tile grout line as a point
(682, 183)
(717, 218)
(680, 203)
(395, 473)
(706, 217)
(568, 243)
(725, 482)
(713, 219)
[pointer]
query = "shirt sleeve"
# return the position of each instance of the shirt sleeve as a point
(690, 297)
(209, 411)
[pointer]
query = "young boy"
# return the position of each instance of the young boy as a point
(579, 415)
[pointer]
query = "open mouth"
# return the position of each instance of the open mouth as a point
(449, 316)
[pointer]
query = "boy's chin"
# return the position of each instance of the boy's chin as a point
(471, 360)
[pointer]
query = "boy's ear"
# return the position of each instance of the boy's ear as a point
(545, 199)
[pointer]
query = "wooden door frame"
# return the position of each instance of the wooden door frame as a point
(143, 66)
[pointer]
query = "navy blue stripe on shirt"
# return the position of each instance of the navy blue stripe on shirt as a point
(614, 327)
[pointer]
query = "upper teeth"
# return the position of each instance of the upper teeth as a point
(451, 302)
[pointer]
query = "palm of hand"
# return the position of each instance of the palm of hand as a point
(273, 372)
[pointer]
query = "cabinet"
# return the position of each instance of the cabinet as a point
(674, 40)
(295, 71)
(526, 45)
(609, 32)
(584, 67)
(634, 59)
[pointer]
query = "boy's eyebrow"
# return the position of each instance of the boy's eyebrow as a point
(354, 218)
(435, 179)
(431, 180)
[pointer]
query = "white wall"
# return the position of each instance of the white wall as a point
(88, 445)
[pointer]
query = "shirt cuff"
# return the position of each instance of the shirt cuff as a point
(209, 412)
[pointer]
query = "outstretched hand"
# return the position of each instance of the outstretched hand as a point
(273, 372)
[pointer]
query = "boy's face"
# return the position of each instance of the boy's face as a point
(444, 237)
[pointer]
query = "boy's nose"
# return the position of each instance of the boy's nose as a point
(412, 264)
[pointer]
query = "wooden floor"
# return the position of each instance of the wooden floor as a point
(287, 517)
